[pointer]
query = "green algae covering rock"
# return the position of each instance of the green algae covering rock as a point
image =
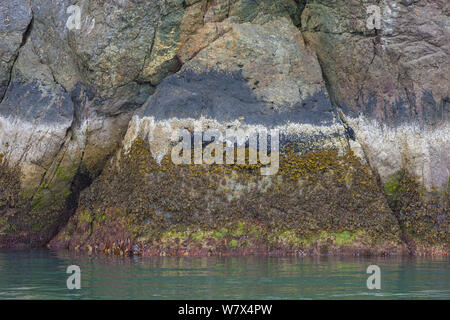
(319, 202)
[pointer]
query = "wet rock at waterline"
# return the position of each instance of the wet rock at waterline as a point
(89, 108)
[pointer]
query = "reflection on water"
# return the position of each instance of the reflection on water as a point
(41, 274)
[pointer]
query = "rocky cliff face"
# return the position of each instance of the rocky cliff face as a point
(91, 93)
(392, 83)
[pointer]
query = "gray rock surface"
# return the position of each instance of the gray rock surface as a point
(392, 83)
(15, 18)
(71, 98)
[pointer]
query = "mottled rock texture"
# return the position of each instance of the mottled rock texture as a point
(363, 118)
(15, 18)
(397, 75)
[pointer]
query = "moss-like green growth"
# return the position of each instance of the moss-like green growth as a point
(32, 217)
(10, 201)
(423, 216)
(393, 186)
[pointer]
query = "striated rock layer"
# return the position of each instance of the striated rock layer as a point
(89, 117)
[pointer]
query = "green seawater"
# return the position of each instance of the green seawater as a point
(41, 274)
